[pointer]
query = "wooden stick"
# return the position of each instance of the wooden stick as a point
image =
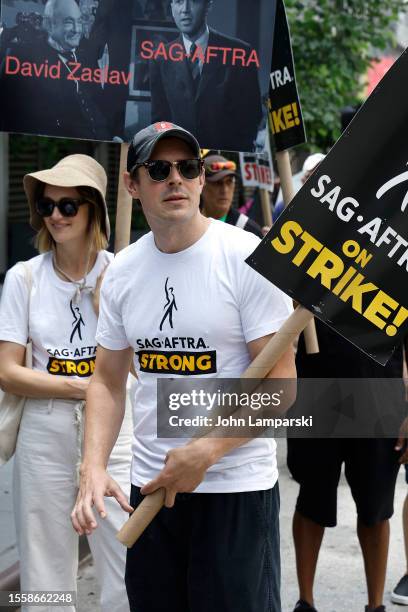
(259, 368)
(284, 337)
(266, 207)
(141, 518)
(123, 214)
(285, 174)
(123, 207)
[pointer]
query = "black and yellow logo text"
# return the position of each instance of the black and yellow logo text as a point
(181, 362)
(71, 367)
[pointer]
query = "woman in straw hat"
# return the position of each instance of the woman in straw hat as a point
(56, 311)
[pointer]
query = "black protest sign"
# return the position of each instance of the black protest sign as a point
(285, 112)
(341, 247)
(102, 70)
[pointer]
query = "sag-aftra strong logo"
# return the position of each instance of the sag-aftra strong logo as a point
(77, 323)
(182, 355)
(184, 363)
(77, 360)
(71, 367)
(169, 306)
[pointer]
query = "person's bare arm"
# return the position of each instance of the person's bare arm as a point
(186, 466)
(16, 378)
(105, 408)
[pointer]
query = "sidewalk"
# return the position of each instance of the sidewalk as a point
(340, 578)
(8, 549)
(9, 567)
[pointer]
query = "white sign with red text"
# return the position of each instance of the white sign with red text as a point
(257, 168)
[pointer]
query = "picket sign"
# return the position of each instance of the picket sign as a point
(123, 206)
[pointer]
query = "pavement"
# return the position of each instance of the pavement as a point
(8, 549)
(340, 580)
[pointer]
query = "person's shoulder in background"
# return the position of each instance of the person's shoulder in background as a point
(241, 220)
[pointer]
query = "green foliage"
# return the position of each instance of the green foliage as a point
(48, 151)
(333, 42)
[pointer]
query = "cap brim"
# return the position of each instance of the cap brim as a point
(218, 176)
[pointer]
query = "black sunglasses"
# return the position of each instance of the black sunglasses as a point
(159, 169)
(68, 207)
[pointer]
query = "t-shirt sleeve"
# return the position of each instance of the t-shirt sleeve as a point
(263, 307)
(14, 307)
(110, 332)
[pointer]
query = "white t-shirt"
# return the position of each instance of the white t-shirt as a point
(203, 299)
(62, 333)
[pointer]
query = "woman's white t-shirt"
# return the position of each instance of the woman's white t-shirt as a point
(62, 332)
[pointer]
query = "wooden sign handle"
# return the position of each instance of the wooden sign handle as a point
(259, 368)
(285, 174)
(278, 344)
(141, 518)
(266, 207)
(123, 206)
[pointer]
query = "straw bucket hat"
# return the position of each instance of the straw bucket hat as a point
(72, 171)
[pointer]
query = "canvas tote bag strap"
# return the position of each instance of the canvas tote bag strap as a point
(241, 221)
(28, 275)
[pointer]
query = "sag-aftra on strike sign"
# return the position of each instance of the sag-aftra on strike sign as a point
(341, 247)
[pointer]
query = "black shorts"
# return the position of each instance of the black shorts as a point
(212, 552)
(371, 469)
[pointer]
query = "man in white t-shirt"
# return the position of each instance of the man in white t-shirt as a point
(184, 290)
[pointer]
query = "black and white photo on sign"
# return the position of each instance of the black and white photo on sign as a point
(107, 72)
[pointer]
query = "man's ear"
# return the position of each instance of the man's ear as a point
(131, 185)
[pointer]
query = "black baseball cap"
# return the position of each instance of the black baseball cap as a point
(143, 143)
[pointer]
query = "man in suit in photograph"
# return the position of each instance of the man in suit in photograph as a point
(218, 99)
(45, 105)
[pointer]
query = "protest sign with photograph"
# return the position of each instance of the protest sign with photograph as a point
(257, 168)
(102, 70)
(285, 112)
(341, 247)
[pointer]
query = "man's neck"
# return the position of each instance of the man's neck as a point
(53, 43)
(174, 238)
(214, 214)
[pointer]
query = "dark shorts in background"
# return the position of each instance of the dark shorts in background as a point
(212, 552)
(371, 469)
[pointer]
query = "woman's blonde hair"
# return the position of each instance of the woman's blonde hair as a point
(44, 241)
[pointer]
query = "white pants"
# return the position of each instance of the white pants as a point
(45, 489)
